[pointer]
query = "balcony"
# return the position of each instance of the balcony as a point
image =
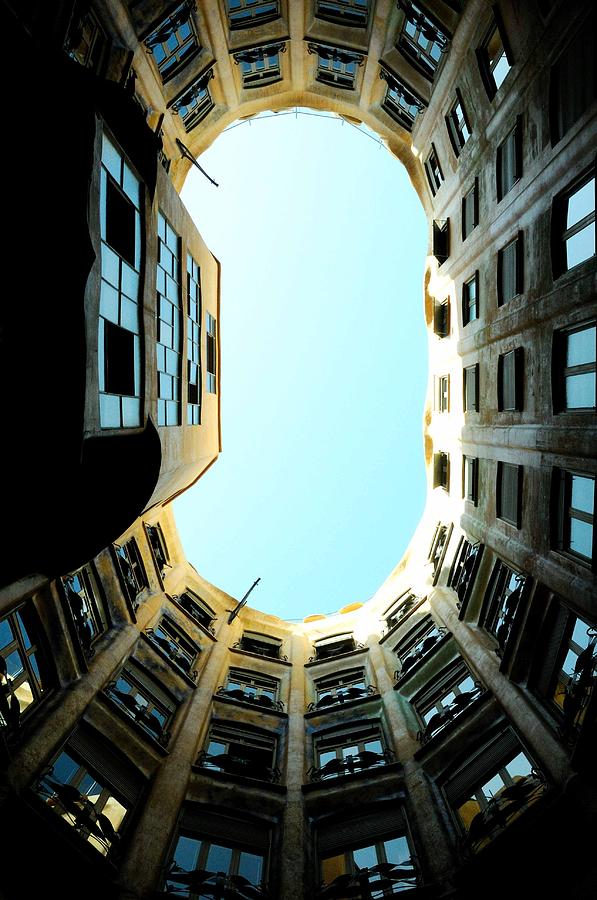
(343, 696)
(351, 764)
(386, 879)
(219, 885)
(420, 651)
(242, 766)
(442, 719)
(262, 700)
(502, 809)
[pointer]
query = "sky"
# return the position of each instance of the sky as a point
(320, 483)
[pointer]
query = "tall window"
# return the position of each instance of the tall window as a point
(470, 478)
(509, 161)
(400, 101)
(336, 67)
(249, 752)
(509, 493)
(86, 607)
(260, 66)
(24, 670)
(510, 380)
(157, 542)
(421, 40)
(459, 130)
(471, 388)
(193, 342)
(260, 644)
(574, 363)
(401, 608)
(245, 13)
(501, 602)
(220, 851)
(174, 43)
(335, 645)
(510, 270)
(573, 222)
(211, 342)
(574, 514)
(446, 698)
(572, 81)
(177, 646)
(340, 687)
(251, 687)
(86, 41)
(470, 299)
(143, 700)
(194, 103)
(441, 239)
(441, 317)
(494, 61)
(196, 608)
(132, 569)
(441, 470)
(470, 210)
(119, 325)
(345, 12)
(442, 393)
(169, 324)
(418, 644)
(433, 170)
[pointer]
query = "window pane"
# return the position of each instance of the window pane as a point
(581, 203)
(583, 490)
(186, 853)
(250, 866)
(580, 246)
(581, 347)
(581, 537)
(218, 859)
(397, 850)
(365, 857)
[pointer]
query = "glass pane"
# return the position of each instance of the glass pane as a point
(218, 859)
(64, 769)
(332, 867)
(110, 158)
(580, 246)
(581, 347)
(6, 635)
(114, 811)
(397, 850)
(583, 490)
(501, 70)
(580, 391)
(581, 203)
(109, 265)
(186, 853)
(24, 695)
(250, 866)
(365, 857)
(109, 411)
(581, 538)
(518, 767)
(14, 664)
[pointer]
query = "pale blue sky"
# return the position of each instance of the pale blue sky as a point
(320, 484)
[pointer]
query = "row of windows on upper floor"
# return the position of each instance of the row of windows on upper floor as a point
(573, 225)
(120, 340)
(573, 376)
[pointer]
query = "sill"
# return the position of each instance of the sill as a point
(578, 271)
(274, 659)
(375, 773)
(570, 557)
(342, 656)
(242, 781)
(340, 707)
(138, 729)
(256, 707)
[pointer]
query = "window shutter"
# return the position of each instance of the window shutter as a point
(485, 763)
(335, 836)
(550, 650)
(117, 772)
(208, 824)
(508, 492)
(507, 264)
(509, 380)
(441, 239)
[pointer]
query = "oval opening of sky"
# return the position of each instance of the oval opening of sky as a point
(321, 482)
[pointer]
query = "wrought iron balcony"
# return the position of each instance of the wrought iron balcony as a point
(578, 689)
(367, 759)
(343, 696)
(174, 653)
(218, 885)
(139, 713)
(272, 652)
(419, 652)
(503, 809)
(194, 610)
(385, 879)
(507, 615)
(328, 651)
(247, 697)
(170, 25)
(441, 719)
(462, 575)
(402, 612)
(10, 708)
(427, 28)
(237, 765)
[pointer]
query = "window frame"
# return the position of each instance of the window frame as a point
(410, 45)
(159, 548)
(470, 479)
(182, 646)
(510, 149)
(198, 610)
(36, 671)
(566, 73)
(502, 488)
(442, 393)
(343, 71)
(211, 352)
(441, 470)
(470, 210)
(91, 619)
(505, 275)
(511, 380)
(343, 12)
(486, 68)
(433, 170)
(256, 16)
(256, 687)
(561, 371)
(459, 129)
(334, 742)
(561, 232)
(436, 691)
(194, 319)
(134, 579)
(503, 602)
(563, 513)
(470, 393)
(441, 239)
(467, 305)
(256, 741)
(158, 700)
(169, 26)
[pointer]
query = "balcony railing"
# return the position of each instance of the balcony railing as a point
(351, 764)
(406, 607)
(247, 697)
(420, 652)
(462, 575)
(578, 689)
(195, 611)
(441, 719)
(173, 652)
(218, 885)
(343, 696)
(139, 714)
(272, 652)
(237, 765)
(503, 809)
(383, 880)
(328, 651)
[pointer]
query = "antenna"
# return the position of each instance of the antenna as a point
(234, 613)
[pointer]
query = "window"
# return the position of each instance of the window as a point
(250, 753)
(574, 224)
(193, 342)
(132, 570)
(24, 668)
(92, 788)
(441, 239)
(119, 324)
(218, 850)
(509, 161)
(177, 646)
(340, 687)
(86, 607)
(574, 367)
(509, 493)
(440, 703)
(157, 542)
(574, 495)
(418, 643)
(210, 338)
(336, 67)
(565, 666)
(441, 470)
(442, 393)
(459, 130)
(260, 66)
(510, 270)
(344, 12)
(252, 687)
(421, 40)
(174, 43)
(261, 644)
(366, 856)
(86, 41)
(471, 388)
(143, 700)
(441, 318)
(334, 645)
(169, 324)
(400, 101)
(470, 478)
(438, 547)
(502, 599)
(464, 570)
(195, 102)
(572, 81)
(510, 380)
(470, 210)
(196, 608)
(433, 170)
(401, 608)
(347, 752)
(492, 789)
(470, 299)
(245, 13)
(494, 59)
